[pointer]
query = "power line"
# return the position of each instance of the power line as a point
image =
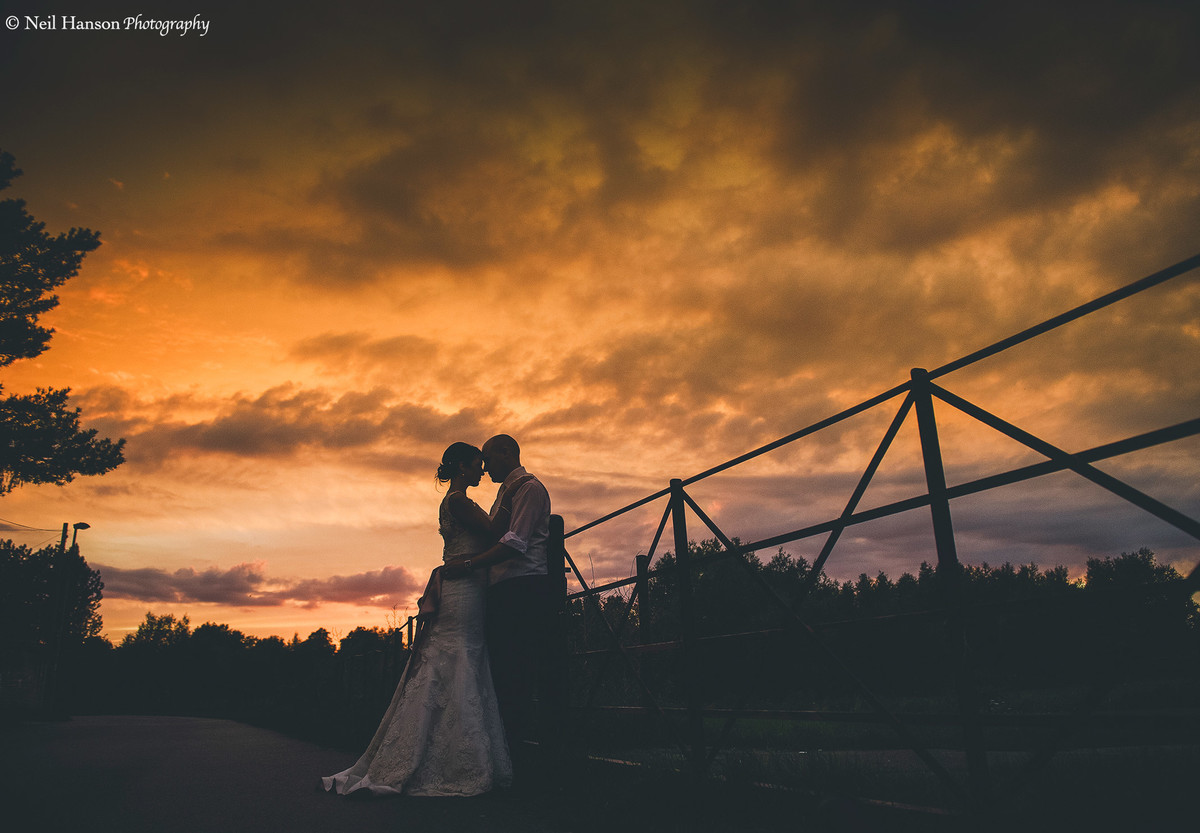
(13, 526)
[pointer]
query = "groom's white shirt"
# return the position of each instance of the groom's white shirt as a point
(528, 529)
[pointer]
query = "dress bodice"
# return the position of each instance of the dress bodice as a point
(460, 541)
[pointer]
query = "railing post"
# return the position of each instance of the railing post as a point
(643, 593)
(952, 585)
(935, 475)
(556, 561)
(642, 588)
(555, 685)
(687, 626)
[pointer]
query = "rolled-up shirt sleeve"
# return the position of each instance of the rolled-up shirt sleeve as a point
(530, 506)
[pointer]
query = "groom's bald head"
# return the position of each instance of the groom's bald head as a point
(505, 444)
(501, 455)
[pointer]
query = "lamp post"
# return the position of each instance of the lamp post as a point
(63, 580)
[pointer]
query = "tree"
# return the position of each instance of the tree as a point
(31, 589)
(1147, 613)
(318, 643)
(214, 639)
(40, 437)
(159, 632)
(49, 600)
(1130, 569)
(363, 640)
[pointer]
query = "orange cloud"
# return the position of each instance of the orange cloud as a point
(642, 238)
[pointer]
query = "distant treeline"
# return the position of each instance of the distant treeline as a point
(54, 661)
(1022, 626)
(308, 687)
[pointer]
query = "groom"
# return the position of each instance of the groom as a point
(520, 613)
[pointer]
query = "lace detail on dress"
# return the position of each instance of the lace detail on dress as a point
(459, 540)
(441, 735)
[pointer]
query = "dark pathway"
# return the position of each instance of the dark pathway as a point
(195, 775)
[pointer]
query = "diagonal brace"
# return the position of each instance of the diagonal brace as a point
(1118, 487)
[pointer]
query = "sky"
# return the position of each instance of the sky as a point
(642, 238)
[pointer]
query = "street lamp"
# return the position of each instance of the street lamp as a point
(52, 692)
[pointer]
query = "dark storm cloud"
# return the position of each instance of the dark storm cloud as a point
(237, 585)
(342, 352)
(325, 262)
(1039, 107)
(501, 130)
(381, 587)
(283, 420)
(1051, 101)
(707, 384)
(287, 421)
(246, 585)
(398, 197)
(763, 362)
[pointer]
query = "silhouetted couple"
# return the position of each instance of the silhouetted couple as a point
(465, 705)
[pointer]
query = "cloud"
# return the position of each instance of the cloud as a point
(285, 421)
(406, 359)
(238, 585)
(642, 237)
(462, 195)
(353, 348)
(664, 143)
(381, 588)
(246, 585)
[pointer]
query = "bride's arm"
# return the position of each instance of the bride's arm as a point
(468, 513)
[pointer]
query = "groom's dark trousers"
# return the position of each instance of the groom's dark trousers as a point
(520, 622)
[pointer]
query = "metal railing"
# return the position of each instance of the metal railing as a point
(916, 397)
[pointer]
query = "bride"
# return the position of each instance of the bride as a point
(442, 735)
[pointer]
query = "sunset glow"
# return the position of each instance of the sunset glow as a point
(641, 238)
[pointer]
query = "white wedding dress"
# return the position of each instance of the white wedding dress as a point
(441, 735)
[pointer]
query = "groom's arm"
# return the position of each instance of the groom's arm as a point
(495, 554)
(498, 524)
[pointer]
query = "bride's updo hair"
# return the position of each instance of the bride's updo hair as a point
(455, 456)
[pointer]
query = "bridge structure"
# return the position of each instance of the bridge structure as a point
(979, 773)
